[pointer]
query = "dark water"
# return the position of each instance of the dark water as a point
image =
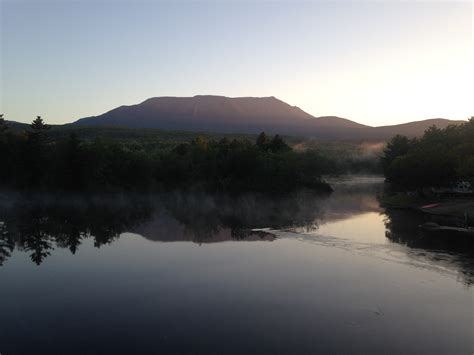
(191, 273)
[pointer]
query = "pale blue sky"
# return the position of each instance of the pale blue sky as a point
(373, 62)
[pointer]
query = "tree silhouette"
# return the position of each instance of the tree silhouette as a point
(439, 158)
(35, 155)
(3, 124)
(43, 161)
(40, 247)
(34, 233)
(278, 145)
(6, 243)
(38, 125)
(36, 136)
(262, 141)
(398, 146)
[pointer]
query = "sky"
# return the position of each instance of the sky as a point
(376, 62)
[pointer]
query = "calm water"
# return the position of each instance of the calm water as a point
(190, 274)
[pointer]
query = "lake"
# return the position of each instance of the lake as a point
(189, 273)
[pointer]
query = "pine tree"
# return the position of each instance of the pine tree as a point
(278, 145)
(37, 135)
(35, 157)
(262, 141)
(38, 125)
(3, 124)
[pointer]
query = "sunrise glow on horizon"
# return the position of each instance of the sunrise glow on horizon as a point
(376, 63)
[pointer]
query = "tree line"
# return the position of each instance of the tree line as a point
(439, 158)
(33, 160)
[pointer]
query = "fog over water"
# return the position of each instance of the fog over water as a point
(195, 273)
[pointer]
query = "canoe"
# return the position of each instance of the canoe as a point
(435, 227)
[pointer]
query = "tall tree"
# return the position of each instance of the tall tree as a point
(397, 147)
(3, 124)
(38, 125)
(262, 141)
(38, 132)
(278, 145)
(35, 155)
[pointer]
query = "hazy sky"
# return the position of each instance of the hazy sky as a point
(375, 62)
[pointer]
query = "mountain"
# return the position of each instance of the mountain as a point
(226, 115)
(17, 126)
(413, 128)
(206, 113)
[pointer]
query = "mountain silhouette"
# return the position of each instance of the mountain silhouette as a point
(219, 114)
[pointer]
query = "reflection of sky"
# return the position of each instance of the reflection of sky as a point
(284, 297)
(366, 228)
(376, 62)
(298, 294)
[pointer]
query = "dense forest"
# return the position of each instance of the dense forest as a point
(439, 158)
(341, 156)
(33, 159)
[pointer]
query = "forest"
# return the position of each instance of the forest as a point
(34, 159)
(439, 158)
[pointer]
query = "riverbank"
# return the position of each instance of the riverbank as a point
(455, 212)
(461, 208)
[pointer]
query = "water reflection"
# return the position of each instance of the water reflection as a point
(331, 275)
(39, 225)
(450, 250)
(402, 226)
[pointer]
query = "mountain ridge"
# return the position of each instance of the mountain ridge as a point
(246, 115)
(220, 114)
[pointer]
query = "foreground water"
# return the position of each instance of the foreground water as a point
(190, 273)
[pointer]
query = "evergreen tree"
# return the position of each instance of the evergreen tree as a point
(3, 124)
(35, 155)
(38, 125)
(262, 141)
(38, 131)
(278, 145)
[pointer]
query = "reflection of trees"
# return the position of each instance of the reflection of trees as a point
(204, 217)
(6, 243)
(402, 227)
(39, 246)
(34, 236)
(39, 226)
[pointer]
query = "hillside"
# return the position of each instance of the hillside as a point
(413, 129)
(226, 115)
(246, 115)
(173, 117)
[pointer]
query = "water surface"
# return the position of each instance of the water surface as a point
(192, 273)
